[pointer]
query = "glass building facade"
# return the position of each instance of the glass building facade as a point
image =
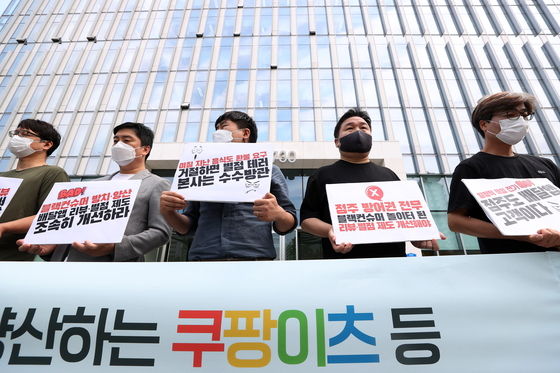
(417, 66)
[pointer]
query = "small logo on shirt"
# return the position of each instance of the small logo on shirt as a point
(541, 172)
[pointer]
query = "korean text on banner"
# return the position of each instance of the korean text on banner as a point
(8, 187)
(224, 172)
(390, 211)
(459, 314)
(79, 211)
(518, 206)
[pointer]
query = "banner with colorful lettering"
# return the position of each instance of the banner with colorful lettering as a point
(389, 211)
(8, 187)
(518, 207)
(460, 314)
(95, 211)
(224, 172)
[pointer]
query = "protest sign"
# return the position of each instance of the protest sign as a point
(79, 211)
(8, 187)
(224, 172)
(518, 206)
(389, 211)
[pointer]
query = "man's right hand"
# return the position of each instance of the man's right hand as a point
(35, 249)
(170, 202)
(343, 248)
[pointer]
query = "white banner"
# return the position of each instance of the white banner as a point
(483, 313)
(8, 187)
(389, 211)
(78, 211)
(224, 172)
(518, 206)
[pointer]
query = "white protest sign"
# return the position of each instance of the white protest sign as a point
(224, 172)
(78, 211)
(8, 187)
(518, 206)
(389, 211)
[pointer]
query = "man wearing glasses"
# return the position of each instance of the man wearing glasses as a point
(502, 119)
(32, 142)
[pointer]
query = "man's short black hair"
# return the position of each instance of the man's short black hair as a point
(242, 120)
(355, 112)
(145, 134)
(46, 131)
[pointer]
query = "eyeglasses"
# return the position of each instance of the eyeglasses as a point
(23, 133)
(514, 115)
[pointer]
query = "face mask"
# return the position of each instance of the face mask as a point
(511, 131)
(356, 142)
(123, 154)
(222, 136)
(21, 146)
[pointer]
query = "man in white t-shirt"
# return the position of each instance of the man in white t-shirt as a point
(147, 229)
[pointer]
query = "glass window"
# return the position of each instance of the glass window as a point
(170, 126)
(304, 53)
(199, 89)
(284, 21)
(220, 90)
(305, 83)
(140, 24)
(264, 53)
(306, 125)
(157, 91)
(136, 93)
(229, 22)
(284, 89)
(167, 54)
(284, 125)
(205, 54)
(186, 54)
(284, 52)
(192, 25)
(347, 84)
(241, 89)
(96, 93)
(327, 88)
(302, 21)
(193, 126)
(247, 21)
(321, 21)
(370, 89)
(115, 93)
(266, 21)
(261, 119)
(339, 21)
(262, 91)
(244, 58)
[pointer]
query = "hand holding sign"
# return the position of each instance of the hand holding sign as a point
(343, 248)
(267, 209)
(35, 249)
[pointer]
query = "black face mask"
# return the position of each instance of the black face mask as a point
(356, 142)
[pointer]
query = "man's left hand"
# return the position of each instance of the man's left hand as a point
(267, 208)
(95, 249)
(429, 244)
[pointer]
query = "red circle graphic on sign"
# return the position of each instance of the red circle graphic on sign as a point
(374, 192)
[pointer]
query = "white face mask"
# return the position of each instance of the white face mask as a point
(123, 154)
(222, 136)
(511, 131)
(21, 146)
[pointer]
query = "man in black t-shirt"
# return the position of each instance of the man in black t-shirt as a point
(503, 116)
(353, 140)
